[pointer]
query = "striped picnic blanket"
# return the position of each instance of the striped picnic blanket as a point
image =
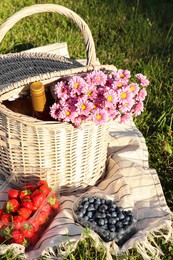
(133, 184)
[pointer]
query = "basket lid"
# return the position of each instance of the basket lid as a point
(16, 67)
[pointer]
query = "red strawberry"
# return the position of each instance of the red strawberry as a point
(6, 218)
(24, 212)
(45, 189)
(24, 194)
(12, 206)
(35, 224)
(54, 202)
(38, 198)
(42, 217)
(18, 222)
(27, 203)
(34, 239)
(13, 194)
(41, 182)
(29, 186)
(27, 230)
(1, 212)
(47, 208)
(18, 237)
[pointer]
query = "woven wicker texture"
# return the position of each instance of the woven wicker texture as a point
(19, 66)
(48, 150)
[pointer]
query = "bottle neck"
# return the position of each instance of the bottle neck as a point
(38, 96)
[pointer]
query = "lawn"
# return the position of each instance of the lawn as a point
(132, 34)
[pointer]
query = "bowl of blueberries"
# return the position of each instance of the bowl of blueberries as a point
(101, 213)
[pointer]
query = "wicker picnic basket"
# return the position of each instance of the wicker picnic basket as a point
(41, 149)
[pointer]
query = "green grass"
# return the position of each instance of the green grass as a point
(132, 34)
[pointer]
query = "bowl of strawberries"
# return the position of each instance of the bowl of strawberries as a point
(26, 211)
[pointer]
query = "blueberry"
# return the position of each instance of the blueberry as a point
(121, 231)
(91, 200)
(84, 199)
(98, 215)
(89, 214)
(80, 206)
(125, 222)
(109, 202)
(121, 216)
(86, 218)
(103, 201)
(93, 223)
(108, 215)
(101, 222)
(112, 228)
(112, 236)
(129, 212)
(98, 201)
(106, 220)
(103, 215)
(104, 233)
(96, 205)
(113, 214)
(119, 224)
(128, 218)
(103, 208)
(112, 221)
(111, 209)
(120, 209)
(105, 226)
(90, 207)
(80, 214)
(86, 204)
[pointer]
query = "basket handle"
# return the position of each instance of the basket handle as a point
(40, 8)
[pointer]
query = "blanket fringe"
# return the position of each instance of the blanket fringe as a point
(146, 245)
(149, 249)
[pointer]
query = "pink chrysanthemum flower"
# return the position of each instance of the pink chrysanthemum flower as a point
(124, 95)
(96, 77)
(99, 116)
(91, 92)
(142, 94)
(54, 111)
(61, 90)
(109, 82)
(122, 74)
(99, 99)
(77, 85)
(77, 121)
(110, 97)
(138, 108)
(126, 106)
(134, 88)
(84, 107)
(112, 112)
(124, 118)
(68, 115)
(143, 80)
(120, 83)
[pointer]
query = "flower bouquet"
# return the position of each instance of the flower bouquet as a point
(99, 96)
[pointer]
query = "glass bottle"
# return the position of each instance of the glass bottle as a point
(39, 102)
